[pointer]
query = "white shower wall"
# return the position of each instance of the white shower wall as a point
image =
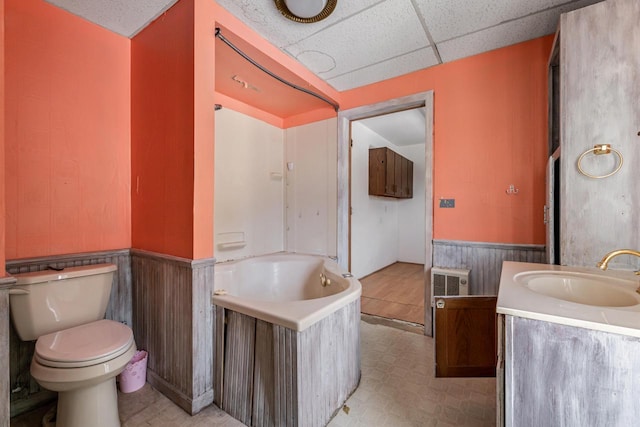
(262, 207)
(384, 230)
(411, 212)
(248, 187)
(311, 188)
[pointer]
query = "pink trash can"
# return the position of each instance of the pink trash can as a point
(135, 373)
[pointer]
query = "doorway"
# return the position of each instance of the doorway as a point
(387, 231)
(424, 99)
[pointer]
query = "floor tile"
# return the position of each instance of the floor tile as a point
(397, 389)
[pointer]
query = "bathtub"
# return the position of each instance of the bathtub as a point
(287, 342)
(284, 288)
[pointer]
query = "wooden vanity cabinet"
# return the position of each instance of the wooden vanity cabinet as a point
(390, 174)
(551, 374)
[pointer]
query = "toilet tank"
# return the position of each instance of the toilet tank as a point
(47, 301)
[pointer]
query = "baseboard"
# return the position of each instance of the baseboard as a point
(35, 400)
(189, 405)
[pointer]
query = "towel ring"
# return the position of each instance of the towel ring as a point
(599, 150)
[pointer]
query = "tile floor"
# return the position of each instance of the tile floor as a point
(395, 292)
(397, 389)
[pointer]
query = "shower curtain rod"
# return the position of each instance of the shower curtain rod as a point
(219, 35)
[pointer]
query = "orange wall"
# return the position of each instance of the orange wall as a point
(490, 132)
(204, 117)
(162, 149)
(73, 131)
(2, 174)
(67, 140)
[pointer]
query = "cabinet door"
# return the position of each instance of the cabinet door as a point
(377, 171)
(409, 179)
(406, 186)
(465, 336)
(397, 179)
(404, 190)
(390, 185)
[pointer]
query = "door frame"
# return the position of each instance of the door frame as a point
(422, 99)
(550, 214)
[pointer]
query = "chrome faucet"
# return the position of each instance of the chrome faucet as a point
(604, 262)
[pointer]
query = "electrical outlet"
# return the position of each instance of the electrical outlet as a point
(447, 203)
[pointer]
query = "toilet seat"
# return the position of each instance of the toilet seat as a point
(84, 345)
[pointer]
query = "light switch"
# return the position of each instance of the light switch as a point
(447, 203)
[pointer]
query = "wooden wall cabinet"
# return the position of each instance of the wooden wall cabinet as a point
(390, 174)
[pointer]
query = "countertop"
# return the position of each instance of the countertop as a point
(514, 299)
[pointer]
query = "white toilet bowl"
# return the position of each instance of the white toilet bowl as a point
(81, 364)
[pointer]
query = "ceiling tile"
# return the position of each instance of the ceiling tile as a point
(530, 27)
(448, 19)
(124, 17)
(388, 30)
(413, 61)
(264, 18)
(363, 41)
(401, 128)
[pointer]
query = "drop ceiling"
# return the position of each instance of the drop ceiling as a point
(402, 128)
(125, 17)
(364, 41)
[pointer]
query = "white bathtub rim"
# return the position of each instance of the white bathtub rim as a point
(280, 253)
(296, 315)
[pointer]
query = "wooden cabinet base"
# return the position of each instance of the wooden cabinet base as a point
(465, 336)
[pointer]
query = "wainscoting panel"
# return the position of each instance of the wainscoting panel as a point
(173, 321)
(5, 389)
(27, 394)
(484, 260)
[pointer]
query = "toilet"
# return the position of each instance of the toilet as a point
(78, 353)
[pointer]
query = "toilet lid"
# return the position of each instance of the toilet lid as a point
(84, 345)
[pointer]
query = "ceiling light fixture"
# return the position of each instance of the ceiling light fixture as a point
(306, 11)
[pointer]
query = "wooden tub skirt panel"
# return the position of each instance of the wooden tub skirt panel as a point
(274, 376)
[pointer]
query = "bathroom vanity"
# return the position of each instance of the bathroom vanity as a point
(568, 346)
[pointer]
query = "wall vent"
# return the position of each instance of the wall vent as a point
(449, 282)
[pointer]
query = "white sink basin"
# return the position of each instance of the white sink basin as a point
(581, 288)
